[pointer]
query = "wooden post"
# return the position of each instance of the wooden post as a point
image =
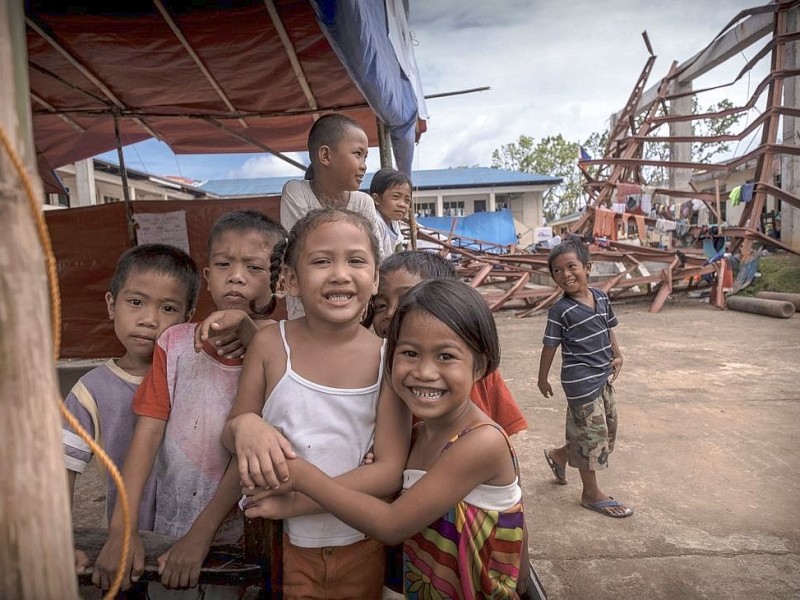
(384, 144)
(36, 555)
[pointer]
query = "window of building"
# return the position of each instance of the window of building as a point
(453, 208)
(479, 206)
(110, 199)
(426, 209)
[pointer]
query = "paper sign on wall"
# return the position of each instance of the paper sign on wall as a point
(162, 228)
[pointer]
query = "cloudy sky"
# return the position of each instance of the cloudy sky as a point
(553, 66)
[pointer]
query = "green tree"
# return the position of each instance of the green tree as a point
(702, 152)
(553, 156)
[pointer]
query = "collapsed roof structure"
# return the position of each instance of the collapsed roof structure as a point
(621, 169)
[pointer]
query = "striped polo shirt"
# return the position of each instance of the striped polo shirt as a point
(585, 340)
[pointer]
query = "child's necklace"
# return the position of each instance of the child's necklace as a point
(330, 200)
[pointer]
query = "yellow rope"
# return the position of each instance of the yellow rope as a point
(55, 323)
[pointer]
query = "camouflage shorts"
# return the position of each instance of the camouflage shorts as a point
(591, 431)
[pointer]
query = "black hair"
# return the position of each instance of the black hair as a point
(575, 247)
(461, 308)
(387, 178)
(423, 264)
(328, 130)
(160, 258)
(244, 221)
(287, 251)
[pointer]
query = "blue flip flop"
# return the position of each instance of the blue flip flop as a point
(602, 507)
(560, 471)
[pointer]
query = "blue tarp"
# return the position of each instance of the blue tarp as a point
(493, 227)
(357, 32)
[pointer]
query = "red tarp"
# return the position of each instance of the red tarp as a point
(134, 65)
(87, 242)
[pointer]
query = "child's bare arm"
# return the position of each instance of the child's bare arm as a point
(480, 457)
(81, 559)
(147, 437)
(381, 478)
(180, 566)
(545, 362)
(616, 361)
(260, 449)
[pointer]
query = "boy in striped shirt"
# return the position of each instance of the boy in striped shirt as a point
(581, 323)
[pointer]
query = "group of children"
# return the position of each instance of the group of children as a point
(310, 420)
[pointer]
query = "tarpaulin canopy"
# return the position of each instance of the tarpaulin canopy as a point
(218, 78)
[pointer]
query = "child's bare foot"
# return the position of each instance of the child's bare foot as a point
(558, 468)
(608, 507)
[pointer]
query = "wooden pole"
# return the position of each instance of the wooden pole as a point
(36, 553)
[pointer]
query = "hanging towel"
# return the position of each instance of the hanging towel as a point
(604, 223)
(641, 227)
(747, 191)
(627, 189)
(735, 196)
(647, 203)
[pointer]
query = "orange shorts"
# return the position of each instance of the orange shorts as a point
(335, 572)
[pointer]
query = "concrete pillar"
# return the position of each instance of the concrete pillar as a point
(492, 202)
(680, 152)
(84, 193)
(790, 165)
(439, 205)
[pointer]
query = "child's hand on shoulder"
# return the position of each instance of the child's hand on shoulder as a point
(262, 451)
(180, 566)
(545, 388)
(222, 329)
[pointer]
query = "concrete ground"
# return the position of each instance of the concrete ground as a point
(709, 407)
(707, 454)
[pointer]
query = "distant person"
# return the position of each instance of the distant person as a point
(337, 149)
(182, 406)
(460, 515)
(391, 191)
(581, 323)
(154, 286)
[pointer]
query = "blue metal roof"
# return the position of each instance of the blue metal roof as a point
(436, 179)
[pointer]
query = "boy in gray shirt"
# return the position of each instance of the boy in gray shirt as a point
(581, 323)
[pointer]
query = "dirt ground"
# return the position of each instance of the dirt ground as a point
(707, 454)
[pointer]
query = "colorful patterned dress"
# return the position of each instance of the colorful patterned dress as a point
(473, 550)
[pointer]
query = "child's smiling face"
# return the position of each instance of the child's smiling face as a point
(433, 369)
(335, 273)
(570, 273)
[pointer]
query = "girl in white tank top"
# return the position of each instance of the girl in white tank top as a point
(312, 387)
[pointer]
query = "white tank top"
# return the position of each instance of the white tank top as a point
(332, 428)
